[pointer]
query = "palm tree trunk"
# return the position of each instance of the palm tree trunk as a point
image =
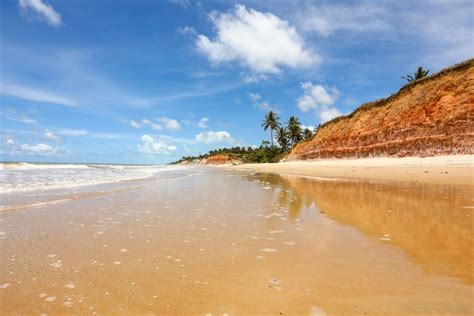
(271, 136)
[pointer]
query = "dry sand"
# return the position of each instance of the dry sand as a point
(456, 169)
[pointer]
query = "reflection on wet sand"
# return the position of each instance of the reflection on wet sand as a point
(433, 224)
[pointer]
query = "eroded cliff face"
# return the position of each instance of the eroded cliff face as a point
(432, 116)
(219, 159)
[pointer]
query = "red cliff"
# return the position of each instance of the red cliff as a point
(432, 116)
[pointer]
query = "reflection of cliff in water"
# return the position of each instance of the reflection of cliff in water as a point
(429, 222)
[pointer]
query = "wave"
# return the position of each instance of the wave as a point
(29, 166)
(27, 177)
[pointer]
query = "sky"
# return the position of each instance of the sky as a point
(142, 81)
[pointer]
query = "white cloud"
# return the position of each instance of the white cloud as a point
(261, 42)
(169, 123)
(319, 99)
(261, 104)
(215, 137)
(328, 114)
(71, 132)
(109, 136)
(15, 116)
(42, 11)
(135, 124)
(326, 19)
(183, 3)
(265, 106)
(151, 124)
(446, 36)
(145, 122)
(203, 123)
(186, 30)
(50, 135)
(442, 40)
(40, 149)
(310, 127)
(36, 95)
(254, 97)
(152, 146)
(32, 150)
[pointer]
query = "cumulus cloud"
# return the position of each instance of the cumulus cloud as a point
(32, 94)
(152, 146)
(261, 42)
(319, 99)
(203, 123)
(42, 11)
(215, 137)
(32, 150)
(50, 135)
(40, 150)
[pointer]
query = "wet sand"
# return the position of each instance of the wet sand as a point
(455, 169)
(232, 243)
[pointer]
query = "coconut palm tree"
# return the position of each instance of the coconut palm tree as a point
(294, 130)
(271, 122)
(420, 73)
(282, 137)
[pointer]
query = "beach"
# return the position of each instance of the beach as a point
(213, 241)
(454, 169)
(227, 158)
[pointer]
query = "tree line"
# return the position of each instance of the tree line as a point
(286, 135)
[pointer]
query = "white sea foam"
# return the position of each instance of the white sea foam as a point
(26, 177)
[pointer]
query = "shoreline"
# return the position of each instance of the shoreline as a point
(453, 169)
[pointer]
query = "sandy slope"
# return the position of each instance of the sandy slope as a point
(457, 169)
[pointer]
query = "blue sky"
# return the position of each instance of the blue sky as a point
(144, 81)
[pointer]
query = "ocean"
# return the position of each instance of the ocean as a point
(26, 184)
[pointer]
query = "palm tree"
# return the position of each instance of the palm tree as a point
(282, 137)
(307, 134)
(420, 73)
(271, 122)
(294, 129)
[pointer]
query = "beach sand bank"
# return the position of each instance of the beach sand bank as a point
(458, 169)
(218, 242)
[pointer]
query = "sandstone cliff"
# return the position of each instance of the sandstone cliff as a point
(219, 159)
(432, 116)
